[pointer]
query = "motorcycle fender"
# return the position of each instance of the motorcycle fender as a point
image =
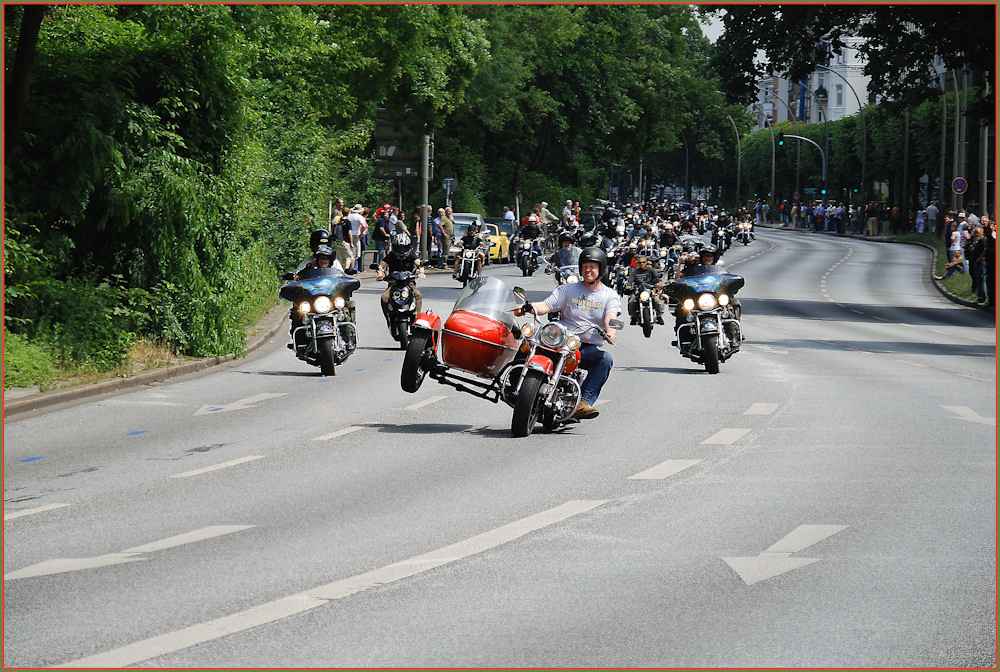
(709, 327)
(430, 322)
(541, 363)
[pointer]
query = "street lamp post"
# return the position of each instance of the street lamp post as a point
(864, 131)
(821, 153)
(739, 158)
(826, 131)
(798, 145)
(771, 128)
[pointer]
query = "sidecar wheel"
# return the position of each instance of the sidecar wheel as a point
(413, 374)
(528, 406)
(711, 353)
(327, 367)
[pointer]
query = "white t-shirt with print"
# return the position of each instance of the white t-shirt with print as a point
(580, 307)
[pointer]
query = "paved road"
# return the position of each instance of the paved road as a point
(827, 500)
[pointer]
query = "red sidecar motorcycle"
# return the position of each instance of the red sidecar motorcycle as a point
(480, 338)
(533, 370)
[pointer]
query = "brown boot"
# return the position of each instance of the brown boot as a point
(585, 411)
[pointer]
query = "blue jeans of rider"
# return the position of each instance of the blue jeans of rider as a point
(597, 363)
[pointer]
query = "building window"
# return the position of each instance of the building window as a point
(840, 95)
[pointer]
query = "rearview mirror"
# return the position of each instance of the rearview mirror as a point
(616, 324)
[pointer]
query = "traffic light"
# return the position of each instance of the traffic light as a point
(781, 138)
(822, 191)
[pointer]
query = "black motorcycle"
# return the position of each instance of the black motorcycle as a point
(527, 257)
(467, 257)
(402, 305)
(645, 295)
(708, 327)
(323, 333)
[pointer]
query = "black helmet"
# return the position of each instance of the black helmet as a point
(597, 255)
(317, 238)
(709, 249)
(564, 236)
(401, 244)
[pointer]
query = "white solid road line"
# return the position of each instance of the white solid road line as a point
(28, 512)
(63, 565)
(664, 469)
(321, 595)
(725, 436)
(425, 402)
(221, 465)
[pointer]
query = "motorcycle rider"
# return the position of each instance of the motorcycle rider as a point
(532, 232)
(585, 303)
(707, 264)
(644, 276)
(473, 240)
(402, 258)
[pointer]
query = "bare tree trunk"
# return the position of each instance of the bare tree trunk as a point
(16, 92)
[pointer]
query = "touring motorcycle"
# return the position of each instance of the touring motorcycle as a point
(708, 328)
(323, 334)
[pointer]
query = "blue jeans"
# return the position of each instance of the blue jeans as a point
(597, 363)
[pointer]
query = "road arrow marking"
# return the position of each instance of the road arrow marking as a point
(62, 565)
(966, 413)
(238, 405)
(664, 469)
(776, 560)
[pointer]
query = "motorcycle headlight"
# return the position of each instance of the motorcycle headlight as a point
(323, 304)
(526, 245)
(570, 279)
(644, 295)
(339, 303)
(723, 299)
(707, 302)
(467, 254)
(663, 253)
(405, 293)
(527, 330)
(573, 343)
(688, 304)
(304, 307)
(552, 336)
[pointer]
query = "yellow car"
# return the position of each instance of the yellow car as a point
(498, 232)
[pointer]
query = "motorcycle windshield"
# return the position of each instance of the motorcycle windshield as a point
(487, 296)
(568, 256)
(710, 278)
(320, 282)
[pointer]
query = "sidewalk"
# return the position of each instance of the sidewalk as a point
(22, 399)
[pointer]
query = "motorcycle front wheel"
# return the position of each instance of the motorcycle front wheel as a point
(327, 367)
(710, 345)
(528, 406)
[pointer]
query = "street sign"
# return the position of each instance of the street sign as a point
(393, 170)
(810, 190)
(959, 185)
(796, 196)
(449, 184)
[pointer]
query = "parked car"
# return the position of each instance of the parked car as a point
(499, 231)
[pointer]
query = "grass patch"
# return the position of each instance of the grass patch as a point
(959, 284)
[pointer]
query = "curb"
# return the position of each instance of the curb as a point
(272, 324)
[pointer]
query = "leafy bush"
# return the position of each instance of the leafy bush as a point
(25, 364)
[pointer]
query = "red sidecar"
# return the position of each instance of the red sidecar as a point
(480, 337)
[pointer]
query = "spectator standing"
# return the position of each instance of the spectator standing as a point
(990, 230)
(447, 225)
(895, 220)
(932, 217)
(977, 264)
(357, 218)
(382, 234)
(508, 213)
(796, 215)
(567, 215)
(920, 221)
